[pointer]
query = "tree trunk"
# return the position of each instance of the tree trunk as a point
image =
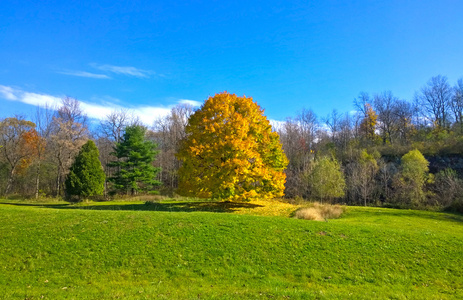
(10, 181)
(37, 181)
(58, 182)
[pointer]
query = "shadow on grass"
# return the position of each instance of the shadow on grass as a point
(424, 214)
(181, 206)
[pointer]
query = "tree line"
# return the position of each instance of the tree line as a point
(56, 154)
(376, 156)
(383, 150)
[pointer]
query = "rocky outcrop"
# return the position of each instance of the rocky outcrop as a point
(438, 163)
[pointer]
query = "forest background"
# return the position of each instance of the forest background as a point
(386, 152)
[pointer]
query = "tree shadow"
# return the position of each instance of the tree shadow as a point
(423, 214)
(178, 206)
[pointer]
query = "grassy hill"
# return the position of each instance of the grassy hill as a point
(201, 250)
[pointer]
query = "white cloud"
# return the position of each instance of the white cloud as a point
(147, 114)
(129, 71)
(85, 74)
(96, 111)
(12, 94)
(38, 99)
(277, 125)
(7, 92)
(193, 103)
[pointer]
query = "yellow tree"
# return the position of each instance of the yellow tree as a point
(414, 175)
(368, 124)
(231, 152)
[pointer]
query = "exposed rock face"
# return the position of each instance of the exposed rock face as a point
(438, 163)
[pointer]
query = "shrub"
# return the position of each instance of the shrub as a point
(326, 180)
(319, 212)
(456, 206)
(448, 187)
(331, 211)
(413, 178)
(309, 213)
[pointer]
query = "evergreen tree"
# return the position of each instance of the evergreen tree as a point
(135, 170)
(86, 177)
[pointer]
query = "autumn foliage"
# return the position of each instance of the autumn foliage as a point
(368, 124)
(230, 152)
(31, 146)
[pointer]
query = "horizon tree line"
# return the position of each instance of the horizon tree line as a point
(36, 154)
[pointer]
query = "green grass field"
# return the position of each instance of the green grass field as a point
(201, 250)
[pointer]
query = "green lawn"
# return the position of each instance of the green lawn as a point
(183, 250)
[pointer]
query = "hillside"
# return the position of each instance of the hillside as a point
(178, 250)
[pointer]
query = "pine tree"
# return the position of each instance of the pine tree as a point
(86, 177)
(231, 152)
(135, 167)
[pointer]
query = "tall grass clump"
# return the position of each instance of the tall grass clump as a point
(319, 212)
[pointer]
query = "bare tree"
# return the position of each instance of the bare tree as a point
(299, 137)
(361, 178)
(43, 120)
(110, 132)
(394, 117)
(168, 132)
(448, 187)
(363, 104)
(341, 132)
(403, 117)
(68, 133)
(435, 100)
(332, 121)
(457, 104)
(387, 171)
(112, 127)
(309, 126)
(70, 111)
(345, 132)
(299, 159)
(384, 105)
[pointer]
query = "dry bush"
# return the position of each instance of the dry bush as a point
(309, 213)
(319, 212)
(331, 211)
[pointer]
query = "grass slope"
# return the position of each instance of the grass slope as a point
(173, 251)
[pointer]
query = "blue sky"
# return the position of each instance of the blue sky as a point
(151, 55)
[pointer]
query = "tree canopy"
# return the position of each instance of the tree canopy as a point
(231, 152)
(414, 175)
(16, 145)
(326, 179)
